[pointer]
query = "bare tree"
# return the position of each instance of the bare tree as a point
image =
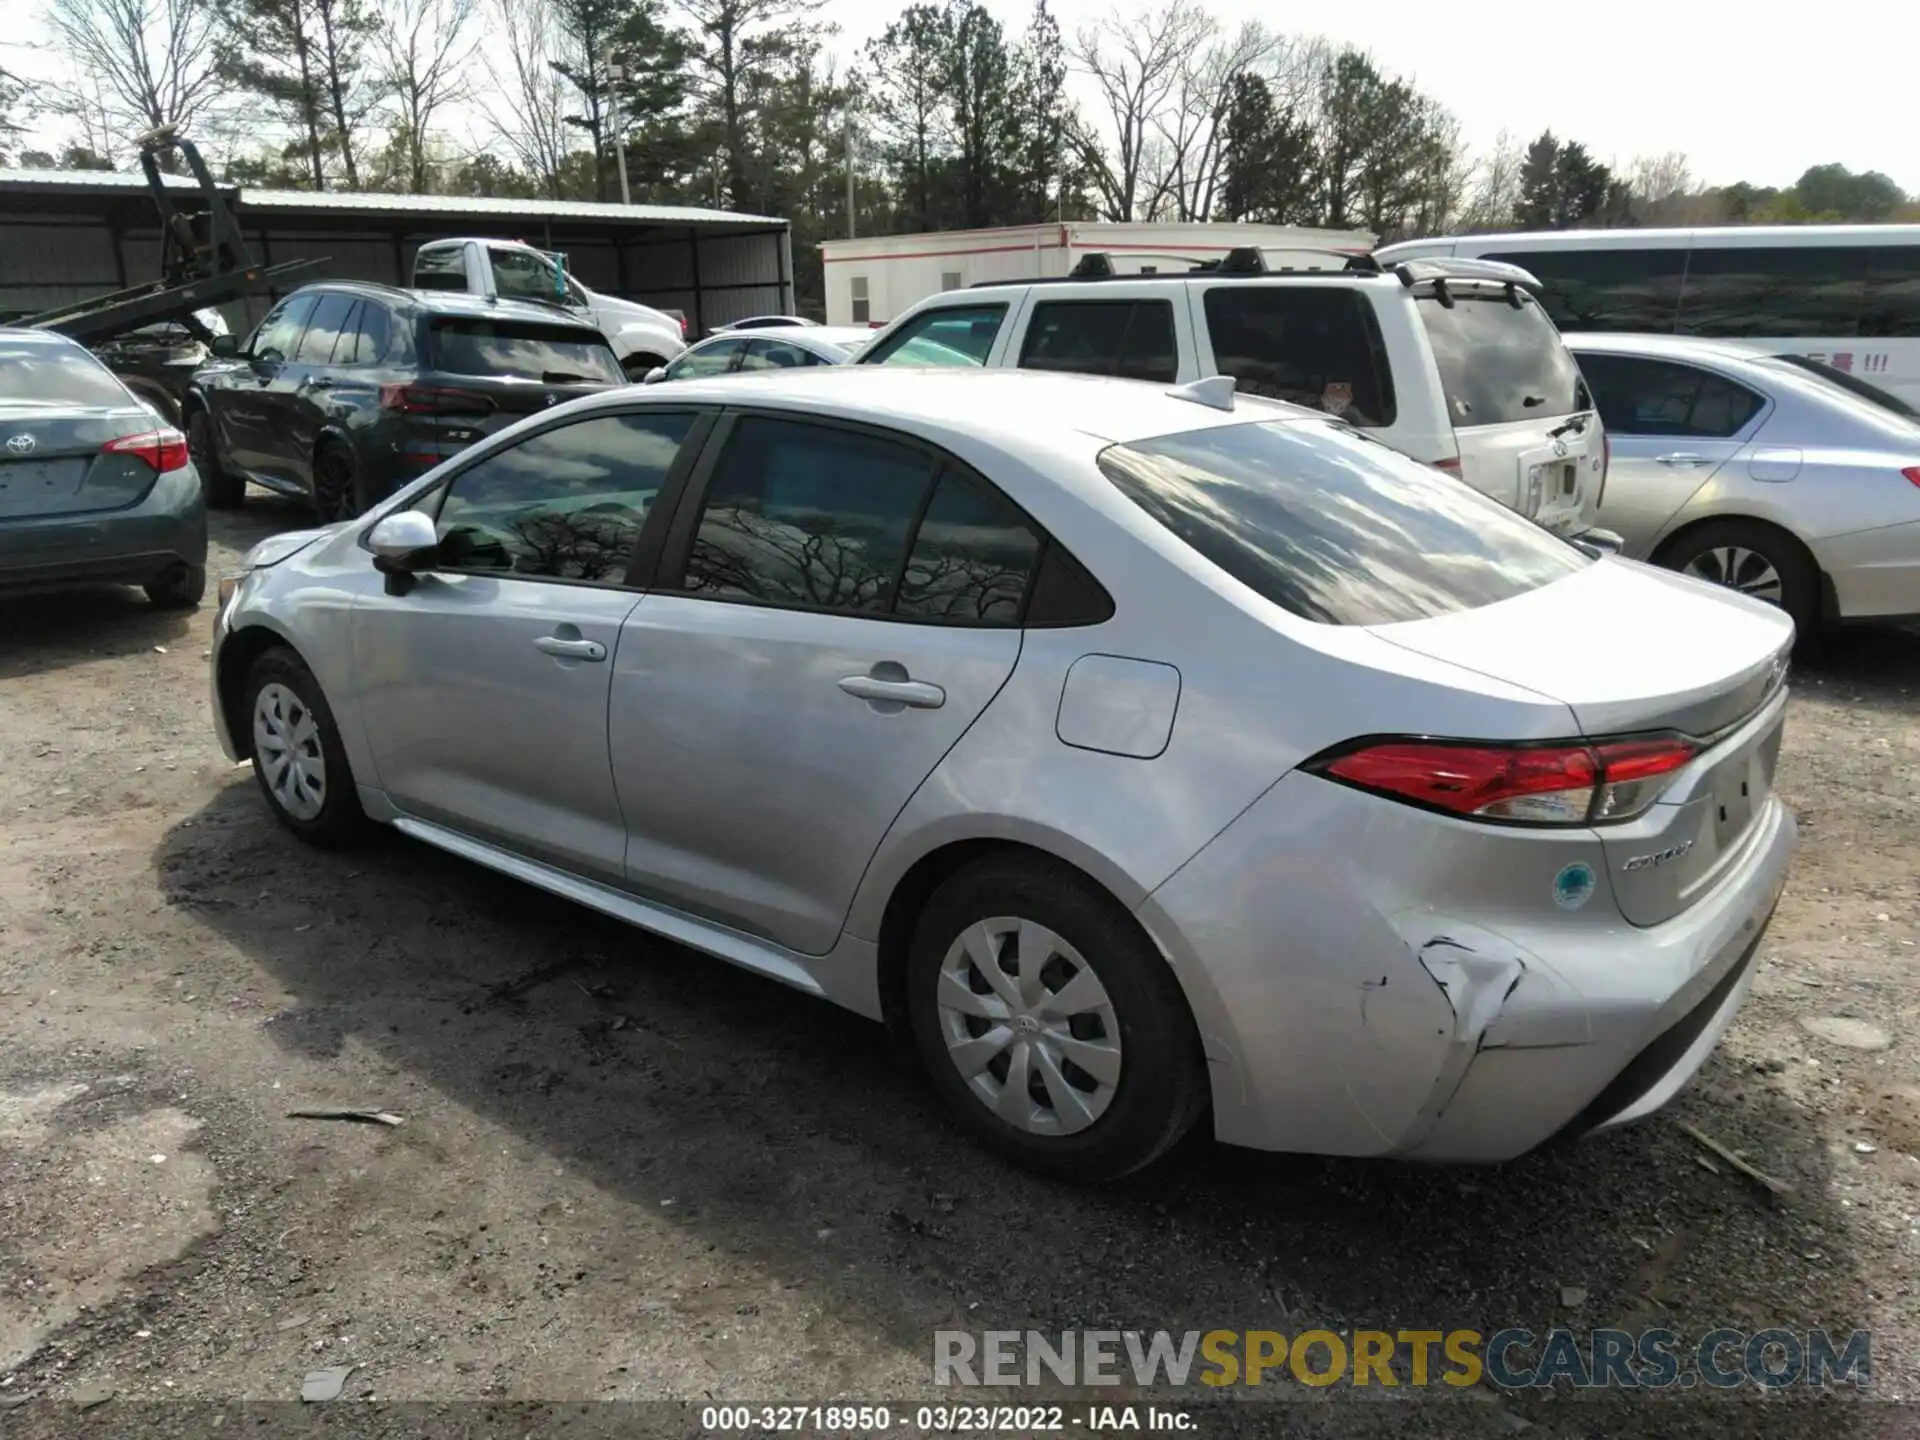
(1493, 192)
(531, 118)
(424, 49)
(144, 63)
(1137, 65)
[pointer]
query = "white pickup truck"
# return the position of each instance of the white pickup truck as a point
(641, 336)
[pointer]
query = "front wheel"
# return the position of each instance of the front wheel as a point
(297, 756)
(1049, 1024)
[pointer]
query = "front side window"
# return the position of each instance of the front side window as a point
(279, 333)
(1318, 346)
(330, 319)
(958, 335)
(553, 354)
(566, 504)
(440, 267)
(1499, 362)
(1785, 290)
(1608, 289)
(1658, 397)
(1129, 338)
(1333, 526)
(716, 357)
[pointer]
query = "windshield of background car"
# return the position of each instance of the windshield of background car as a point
(954, 335)
(1498, 362)
(481, 346)
(40, 372)
(1333, 526)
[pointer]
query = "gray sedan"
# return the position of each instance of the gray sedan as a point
(94, 487)
(1144, 754)
(1774, 474)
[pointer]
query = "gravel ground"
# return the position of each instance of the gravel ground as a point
(630, 1173)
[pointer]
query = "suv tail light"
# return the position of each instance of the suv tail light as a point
(433, 400)
(1452, 467)
(1579, 784)
(1912, 472)
(164, 450)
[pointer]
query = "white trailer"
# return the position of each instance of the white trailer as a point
(870, 281)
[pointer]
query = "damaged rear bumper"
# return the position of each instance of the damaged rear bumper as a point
(1346, 1007)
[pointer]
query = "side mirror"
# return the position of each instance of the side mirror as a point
(655, 375)
(268, 356)
(223, 347)
(403, 544)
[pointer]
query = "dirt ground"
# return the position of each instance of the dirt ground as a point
(628, 1172)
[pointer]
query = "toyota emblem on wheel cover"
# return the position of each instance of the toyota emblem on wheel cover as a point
(21, 444)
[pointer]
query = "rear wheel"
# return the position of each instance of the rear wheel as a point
(297, 756)
(180, 588)
(1049, 1024)
(339, 485)
(1756, 559)
(223, 491)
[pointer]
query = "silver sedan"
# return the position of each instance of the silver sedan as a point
(1142, 753)
(1774, 474)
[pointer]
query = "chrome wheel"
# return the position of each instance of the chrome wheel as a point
(286, 747)
(1029, 1026)
(1737, 568)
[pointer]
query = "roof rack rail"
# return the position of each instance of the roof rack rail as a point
(1243, 261)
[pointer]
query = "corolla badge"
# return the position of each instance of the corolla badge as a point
(21, 444)
(1658, 857)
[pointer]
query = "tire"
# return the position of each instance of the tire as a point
(223, 491)
(339, 483)
(1756, 559)
(181, 588)
(1092, 1122)
(638, 366)
(286, 711)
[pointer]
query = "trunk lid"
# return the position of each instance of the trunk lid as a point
(53, 461)
(1631, 649)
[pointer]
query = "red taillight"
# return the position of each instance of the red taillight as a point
(433, 400)
(164, 450)
(1452, 467)
(1912, 472)
(1526, 784)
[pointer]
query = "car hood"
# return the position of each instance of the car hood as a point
(276, 548)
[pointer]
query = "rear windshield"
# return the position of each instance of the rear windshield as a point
(48, 373)
(1499, 363)
(508, 347)
(1852, 384)
(1333, 526)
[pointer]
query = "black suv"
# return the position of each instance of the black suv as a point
(348, 390)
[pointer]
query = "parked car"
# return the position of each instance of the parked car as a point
(157, 362)
(641, 336)
(1451, 362)
(728, 353)
(95, 488)
(765, 322)
(1773, 474)
(1133, 749)
(347, 389)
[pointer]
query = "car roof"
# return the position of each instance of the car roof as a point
(451, 302)
(1026, 405)
(820, 339)
(31, 334)
(1664, 347)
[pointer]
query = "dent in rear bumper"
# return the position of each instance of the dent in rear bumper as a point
(1338, 1019)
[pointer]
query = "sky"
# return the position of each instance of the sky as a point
(1744, 97)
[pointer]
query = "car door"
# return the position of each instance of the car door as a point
(1671, 426)
(815, 646)
(243, 407)
(485, 685)
(300, 398)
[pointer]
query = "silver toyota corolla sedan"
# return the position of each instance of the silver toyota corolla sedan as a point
(1138, 752)
(1773, 474)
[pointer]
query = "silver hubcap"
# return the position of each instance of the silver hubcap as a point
(1029, 1026)
(1747, 571)
(286, 747)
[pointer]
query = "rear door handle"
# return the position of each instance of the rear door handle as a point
(571, 649)
(917, 693)
(1683, 461)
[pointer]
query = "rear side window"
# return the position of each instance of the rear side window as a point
(955, 335)
(1622, 290)
(54, 373)
(1129, 338)
(555, 354)
(368, 346)
(329, 321)
(1797, 290)
(1658, 397)
(716, 357)
(1316, 346)
(1499, 362)
(973, 556)
(775, 355)
(444, 268)
(1335, 527)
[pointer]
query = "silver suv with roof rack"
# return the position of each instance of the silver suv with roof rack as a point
(1451, 362)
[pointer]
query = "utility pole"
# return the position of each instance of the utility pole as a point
(850, 219)
(615, 74)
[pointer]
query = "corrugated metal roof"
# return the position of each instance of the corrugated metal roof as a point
(481, 205)
(81, 179)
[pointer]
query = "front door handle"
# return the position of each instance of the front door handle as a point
(571, 649)
(320, 382)
(916, 693)
(1683, 461)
